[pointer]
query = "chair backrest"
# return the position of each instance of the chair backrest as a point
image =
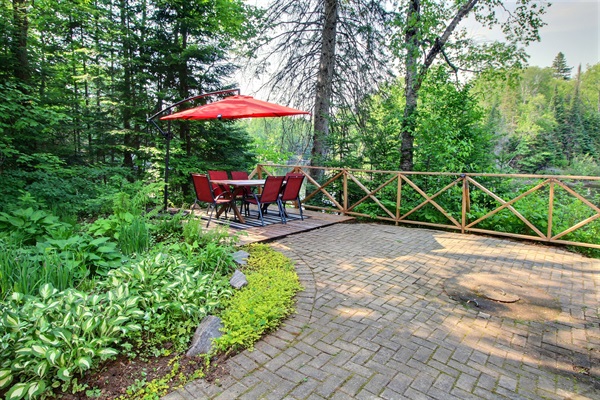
(217, 175)
(271, 189)
(291, 191)
(203, 188)
(239, 175)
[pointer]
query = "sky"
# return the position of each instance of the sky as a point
(573, 28)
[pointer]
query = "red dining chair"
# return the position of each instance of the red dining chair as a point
(206, 194)
(291, 192)
(218, 175)
(270, 194)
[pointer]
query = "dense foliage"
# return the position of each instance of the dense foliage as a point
(72, 296)
(80, 78)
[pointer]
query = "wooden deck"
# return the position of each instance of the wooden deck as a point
(257, 234)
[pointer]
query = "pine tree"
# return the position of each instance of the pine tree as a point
(560, 67)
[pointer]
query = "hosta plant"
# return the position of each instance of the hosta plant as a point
(48, 339)
(174, 296)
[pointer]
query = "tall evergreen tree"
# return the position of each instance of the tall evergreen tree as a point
(560, 67)
(331, 54)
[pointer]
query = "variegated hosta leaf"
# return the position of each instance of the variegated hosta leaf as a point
(46, 290)
(84, 363)
(39, 350)
(6, 377)
(119, 320)
(63, 334)
(18, 391)
(94, 299)
(11, 320)
(106, 353)
(133, 327)
(64, 374)
(136, 313)
(42, 368)
(35, 389)
(104, 327)
(89, 324)
(48, 339)
(51, 306)
(52, 355)
(23, 351)
(88, 351)
(16, 296)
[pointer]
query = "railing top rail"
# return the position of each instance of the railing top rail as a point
(526, 176)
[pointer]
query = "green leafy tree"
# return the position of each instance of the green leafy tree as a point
(430, 30)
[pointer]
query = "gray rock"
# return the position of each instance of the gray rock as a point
(240, 257)
(238, 280)
(208, 330)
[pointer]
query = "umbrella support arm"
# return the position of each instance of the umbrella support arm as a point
(151, 119)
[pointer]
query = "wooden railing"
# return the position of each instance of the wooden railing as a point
(555, 209)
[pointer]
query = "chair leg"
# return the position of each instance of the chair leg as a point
(211, 207)
(260, 214)
(281, 211)
(300, 208)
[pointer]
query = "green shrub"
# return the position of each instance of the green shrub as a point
(47, 339)
(263, 303)
(134, 237)
(30, 226)
(174, 296)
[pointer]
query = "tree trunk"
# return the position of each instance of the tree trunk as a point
(415, 72)
(19, 44)
(411, 81)
(128, 92)
(324, 84)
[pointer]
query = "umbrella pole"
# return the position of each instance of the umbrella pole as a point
(168, 150)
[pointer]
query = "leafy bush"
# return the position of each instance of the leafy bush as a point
(260, 306)
(29, 226)
(48, 338)
(62, 262)
(174, 296)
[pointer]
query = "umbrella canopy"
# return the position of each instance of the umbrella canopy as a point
(235, 107)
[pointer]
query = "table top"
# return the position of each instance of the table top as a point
(239, 182)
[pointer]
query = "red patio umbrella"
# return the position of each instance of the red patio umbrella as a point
(235, 107)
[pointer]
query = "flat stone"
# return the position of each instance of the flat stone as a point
(238, 280)
(209, 329)
(241, 257)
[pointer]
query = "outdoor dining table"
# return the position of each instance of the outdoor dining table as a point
(234, 184)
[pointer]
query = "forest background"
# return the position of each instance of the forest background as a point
(80, 78)
(391, 85)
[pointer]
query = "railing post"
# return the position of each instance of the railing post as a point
(465, 200)
(398, 198)
(550, 208)
(345, 191)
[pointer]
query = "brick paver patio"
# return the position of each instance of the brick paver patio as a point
(374, 322)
